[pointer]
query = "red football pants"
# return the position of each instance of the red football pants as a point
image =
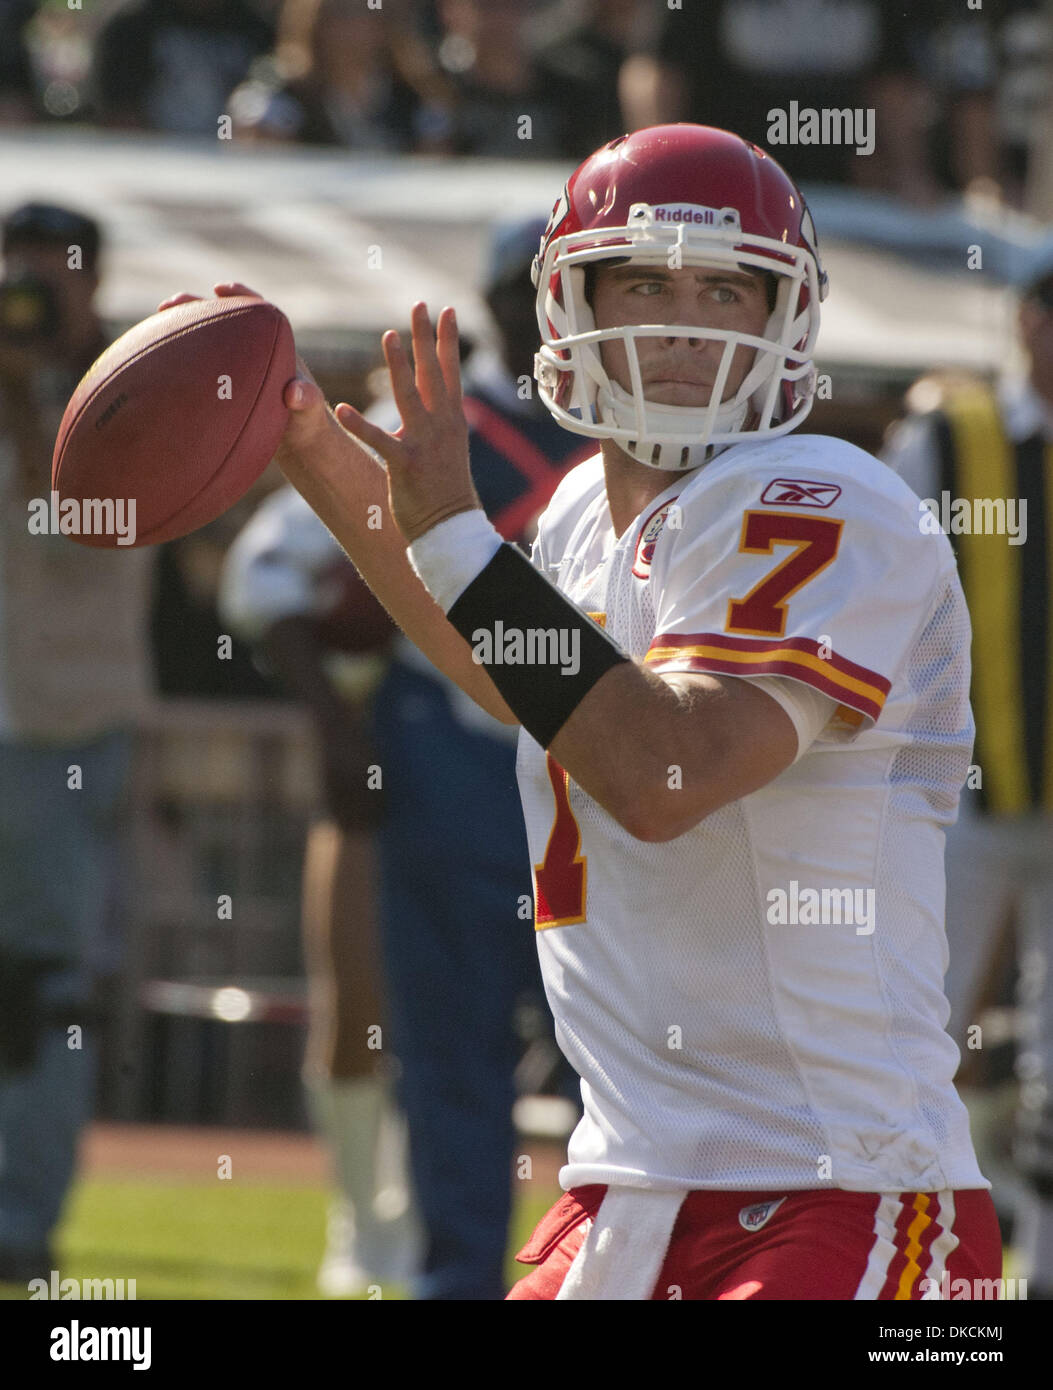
(796, 1245)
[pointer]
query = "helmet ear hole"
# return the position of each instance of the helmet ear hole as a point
(771, 284)
(590, 282)
(592, 269)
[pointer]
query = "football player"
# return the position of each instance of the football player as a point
(741, 673)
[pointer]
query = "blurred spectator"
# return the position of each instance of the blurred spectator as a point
(171, 64)
(1024, 38)
(730, 62)
(73, 678)
(60, 40)
(582, 50)
(289, 589)
(16, 73)
(185, 628)
(955, 54)
(342, 74)
(502, 106)
(964, 441)
(458, 961)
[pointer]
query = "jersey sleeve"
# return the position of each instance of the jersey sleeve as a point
(808, 710)
(824, 583)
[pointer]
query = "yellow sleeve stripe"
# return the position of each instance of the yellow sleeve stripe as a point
(856, 686)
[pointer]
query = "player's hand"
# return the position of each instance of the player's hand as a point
(428, 474)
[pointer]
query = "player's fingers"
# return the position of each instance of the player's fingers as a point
(448, 350)
(382, 443)
(173, 300)
(403, 387)
(430, 381)
(231, 288)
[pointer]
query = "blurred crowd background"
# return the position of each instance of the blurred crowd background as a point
(233, 889)
(961, 88)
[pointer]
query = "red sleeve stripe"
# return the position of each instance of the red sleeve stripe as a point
(853, 685)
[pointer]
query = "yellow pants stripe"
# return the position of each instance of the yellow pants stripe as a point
(917, 1227)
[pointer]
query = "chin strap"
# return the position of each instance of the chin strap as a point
(614, 405)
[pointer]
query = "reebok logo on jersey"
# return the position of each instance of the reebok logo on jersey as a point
(753, 1218)
(800, 492)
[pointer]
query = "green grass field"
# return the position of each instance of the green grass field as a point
(192, 1240)
(182, 1238)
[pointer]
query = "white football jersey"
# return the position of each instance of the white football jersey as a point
(758, 1004)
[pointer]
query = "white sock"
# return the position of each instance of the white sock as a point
(374, 1220)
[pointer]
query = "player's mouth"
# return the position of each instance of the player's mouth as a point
(678, 390)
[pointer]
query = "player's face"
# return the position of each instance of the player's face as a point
(679, 370)
(73, 291)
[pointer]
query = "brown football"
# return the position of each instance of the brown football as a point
(179, 417)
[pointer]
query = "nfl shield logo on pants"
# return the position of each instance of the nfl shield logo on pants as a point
(753, 1218)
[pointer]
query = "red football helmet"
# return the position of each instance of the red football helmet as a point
(678, 195)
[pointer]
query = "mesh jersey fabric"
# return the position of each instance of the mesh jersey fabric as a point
(719, 1045)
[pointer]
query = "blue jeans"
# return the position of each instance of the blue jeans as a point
(454, 870)
(58, 857)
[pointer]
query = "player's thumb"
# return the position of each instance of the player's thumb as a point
(309, 419)
(303, 395)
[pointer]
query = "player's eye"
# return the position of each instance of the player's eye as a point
(725, 294)
(647, 287)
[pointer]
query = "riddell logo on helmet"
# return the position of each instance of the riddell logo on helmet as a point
(692, 213)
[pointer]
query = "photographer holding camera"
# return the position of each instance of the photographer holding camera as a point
(74, 675)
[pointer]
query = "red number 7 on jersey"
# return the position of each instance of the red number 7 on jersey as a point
(561, 879)
(815, 539)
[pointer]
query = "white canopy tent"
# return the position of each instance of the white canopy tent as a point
(345, 243)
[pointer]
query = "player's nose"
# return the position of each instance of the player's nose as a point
(687, 314)
(689, 341)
